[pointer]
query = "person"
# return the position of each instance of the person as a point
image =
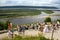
(10, 30)
(58, 24)
(54, 26)
(41, 28)
(37, 27)
(46, 29)
(23, 29)
(20, 29)
(27, 27)
(33, 27)
(9, 34)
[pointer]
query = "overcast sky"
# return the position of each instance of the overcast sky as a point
(30, 2)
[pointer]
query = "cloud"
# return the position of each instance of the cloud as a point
(30, 2)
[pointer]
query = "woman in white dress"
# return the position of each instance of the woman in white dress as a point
(45, 30)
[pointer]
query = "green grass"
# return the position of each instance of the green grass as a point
(40, 37)
(48, 11)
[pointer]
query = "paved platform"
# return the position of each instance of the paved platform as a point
(35, 33)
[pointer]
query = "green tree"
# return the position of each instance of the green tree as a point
(6, 25)
(2, 24)
(58, 20)
(48, 19)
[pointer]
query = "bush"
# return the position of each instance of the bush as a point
(3, 25)
(58, 20)
(18, 38)
(6, 25)
(43, 38)
(48, 19)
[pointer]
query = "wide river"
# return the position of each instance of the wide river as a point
(32, 19)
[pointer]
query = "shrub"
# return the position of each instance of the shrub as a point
(48, 19)
(6, 25)
(58, 20)
(3, 25)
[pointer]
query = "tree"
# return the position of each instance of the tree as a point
(58, 20)
(2, 24)
(6, 25)
(48, 19)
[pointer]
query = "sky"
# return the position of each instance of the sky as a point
(30, 2)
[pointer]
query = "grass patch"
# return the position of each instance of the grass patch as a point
(40, 37)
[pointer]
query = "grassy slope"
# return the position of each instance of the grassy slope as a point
(28, 38)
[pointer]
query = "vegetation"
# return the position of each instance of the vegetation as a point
(3, 26)
(48, 11)
(29, 38)
(48, 19)
(21, 12)
(58, 20)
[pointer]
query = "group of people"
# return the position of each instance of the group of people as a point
(21, 29)
(43, 27)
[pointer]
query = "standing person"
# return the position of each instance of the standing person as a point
(28, 27)
(19, 29)
(23, 29)
(58, 24)
(33, 27)
(41, 28)
(54, 27)
(46, 29)
(9, 26)
(10, 32)
(37, 25)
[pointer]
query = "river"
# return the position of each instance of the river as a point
(32, 19)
